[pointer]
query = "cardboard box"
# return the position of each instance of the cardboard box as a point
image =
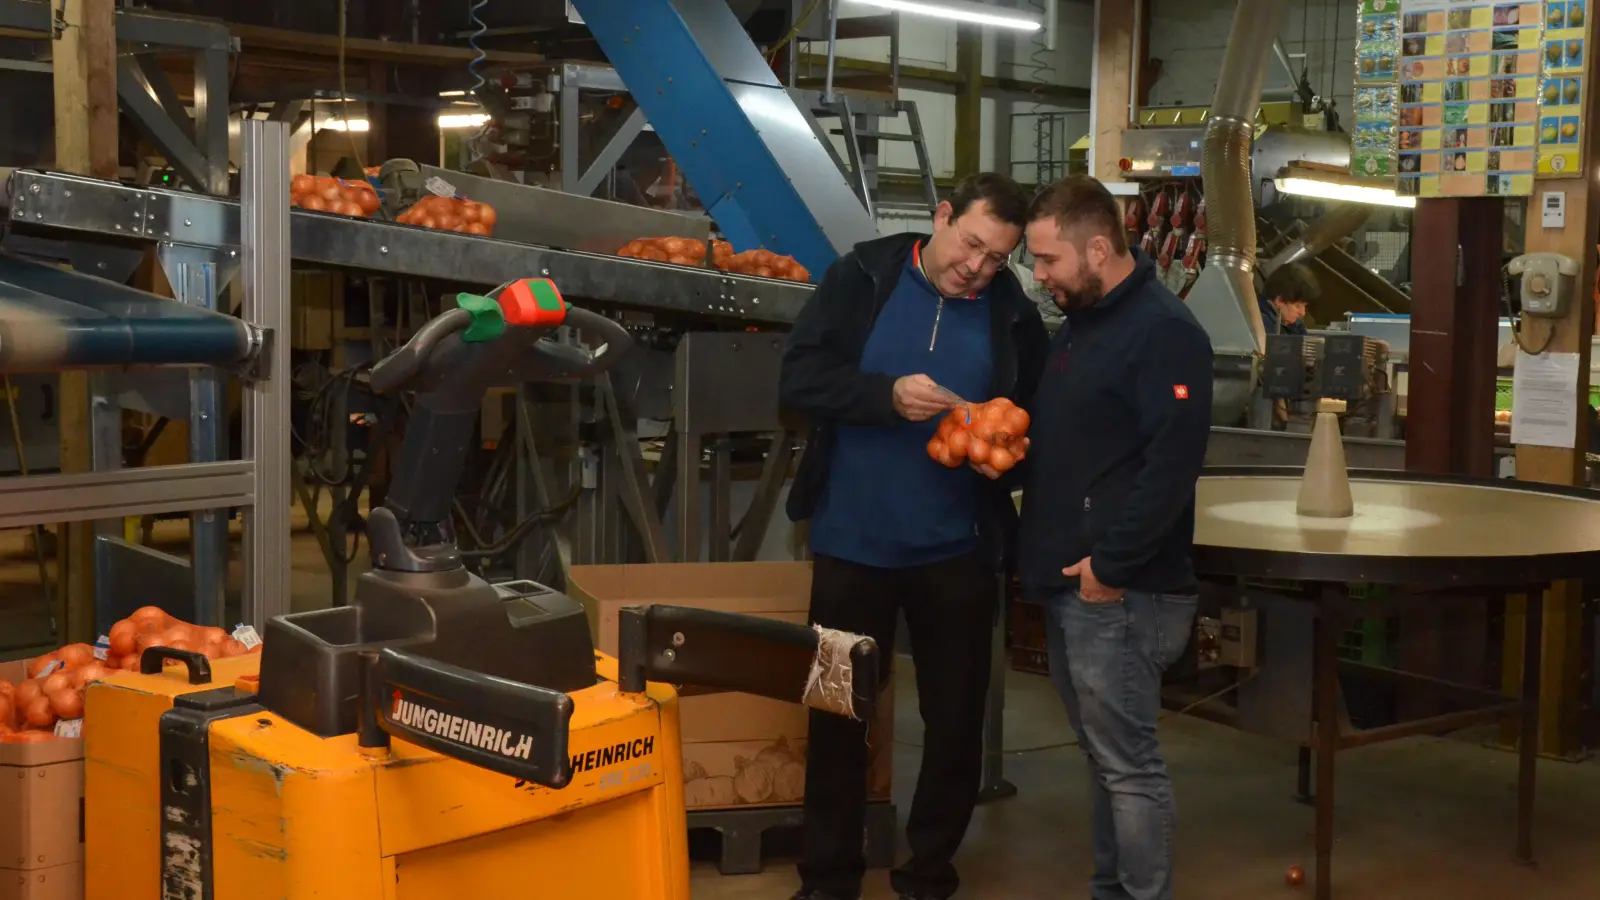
(53, 883)
(738, 749)
(41, 815)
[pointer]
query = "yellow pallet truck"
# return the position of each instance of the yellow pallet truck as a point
(440, 737)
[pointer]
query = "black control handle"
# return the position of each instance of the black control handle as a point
(154, 659)
(710, 648)
(504, 726)
(393, 371)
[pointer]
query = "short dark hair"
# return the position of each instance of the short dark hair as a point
(1079, 201)
(1294, 283)
(1008, 202)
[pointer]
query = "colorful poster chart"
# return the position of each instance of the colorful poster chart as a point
(1377, 89)
(1469, 98)
(1561, 93)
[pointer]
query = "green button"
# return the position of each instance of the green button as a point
(488, 322)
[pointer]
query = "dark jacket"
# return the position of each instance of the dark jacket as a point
(1272, 320)
(821, 378)
(1122, 417)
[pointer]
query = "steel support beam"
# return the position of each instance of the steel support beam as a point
(609, 155)
(139, 101)
(731, 127)
(264, 225)
(39, 499)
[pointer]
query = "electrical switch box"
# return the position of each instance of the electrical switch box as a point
(1237, 641)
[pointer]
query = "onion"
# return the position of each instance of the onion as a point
(368, 201)
(1001, 460)
(41, 663)
(978, 450)
(75, 655)
(67, 704)
(122, 636)
(959, 442)
(38, 713)
(90, 673)
(299, 184)
(332, 193)
(1016, 421)
(56, 682)
(146, 616)
(487, 215)
(27, 692)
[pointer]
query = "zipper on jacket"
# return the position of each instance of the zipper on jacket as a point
(938, 313)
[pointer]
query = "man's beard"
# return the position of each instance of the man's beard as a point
(1091, 291)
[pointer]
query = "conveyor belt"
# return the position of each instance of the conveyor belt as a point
(55, 200)
(52, 319)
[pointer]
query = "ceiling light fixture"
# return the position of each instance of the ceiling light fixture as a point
(468, 120)
(960, 11)
(1349, 192)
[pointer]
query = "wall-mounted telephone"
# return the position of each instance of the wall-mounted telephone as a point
(1549, 281)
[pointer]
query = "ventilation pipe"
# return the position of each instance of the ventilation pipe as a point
(1224, 296)
(1334, 226)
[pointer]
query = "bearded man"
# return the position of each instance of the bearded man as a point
(1121, 418)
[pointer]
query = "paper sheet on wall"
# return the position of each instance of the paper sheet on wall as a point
(1544, 400)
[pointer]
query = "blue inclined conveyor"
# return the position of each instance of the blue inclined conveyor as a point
(53, 319)
(756, 160)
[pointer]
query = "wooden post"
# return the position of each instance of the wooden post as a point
(1563, 611)
(969, 102)
(1450, 419)
(1563, 604)
(1110, 87)
(84, 60)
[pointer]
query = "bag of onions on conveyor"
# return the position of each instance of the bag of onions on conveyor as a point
(690, 252)
(51, 693)
(322, 193)
(451, 214)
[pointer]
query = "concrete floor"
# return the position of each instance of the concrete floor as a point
(1421, 818)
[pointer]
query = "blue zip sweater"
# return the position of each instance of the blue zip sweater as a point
(887, 504)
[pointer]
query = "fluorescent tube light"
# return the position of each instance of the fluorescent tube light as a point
(960, 11)
(1336, 190)
(346, 124)
(466, 120)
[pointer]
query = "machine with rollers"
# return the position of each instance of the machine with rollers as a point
(440, 736)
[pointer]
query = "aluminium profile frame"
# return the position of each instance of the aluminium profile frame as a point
(258, 483)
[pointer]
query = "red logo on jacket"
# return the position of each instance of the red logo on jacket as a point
(1181, 391)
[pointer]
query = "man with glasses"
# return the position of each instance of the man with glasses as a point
(901, 329)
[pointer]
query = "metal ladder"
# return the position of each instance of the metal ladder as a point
(860, 123)
(859, 112)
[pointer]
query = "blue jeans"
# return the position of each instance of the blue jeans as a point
(1106, 660)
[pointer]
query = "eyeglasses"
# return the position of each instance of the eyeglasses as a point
(991, 258)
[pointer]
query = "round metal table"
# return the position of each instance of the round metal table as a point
(1436, 539)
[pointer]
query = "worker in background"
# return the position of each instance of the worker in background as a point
(1120, 424)
(1283, 304)
(897, 330)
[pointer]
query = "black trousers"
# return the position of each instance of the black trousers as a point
(949, 609)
